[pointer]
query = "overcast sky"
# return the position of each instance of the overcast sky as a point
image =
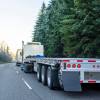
(17, 18)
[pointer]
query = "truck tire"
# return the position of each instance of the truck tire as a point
(39, 73)
(50, 78)
(28, 68)
(44, 75)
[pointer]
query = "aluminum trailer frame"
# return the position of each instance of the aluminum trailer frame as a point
(72, 71)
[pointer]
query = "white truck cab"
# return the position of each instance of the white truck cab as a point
(33, 49)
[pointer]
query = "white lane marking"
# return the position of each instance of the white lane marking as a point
(17, 72)
(29, 87)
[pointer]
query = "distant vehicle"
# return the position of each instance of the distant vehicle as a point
(67, 73)
(19, 57)
(31, 50)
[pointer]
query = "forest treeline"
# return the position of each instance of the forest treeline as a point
(69, 28)
(5, 56)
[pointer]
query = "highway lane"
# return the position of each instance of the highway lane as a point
(12, 87)
(16, 85)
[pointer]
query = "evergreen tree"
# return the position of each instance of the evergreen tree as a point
(39, 28)
(69, 28)
(86, 29)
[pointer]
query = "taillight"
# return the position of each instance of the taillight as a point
(79, 66)
(68, 65)
(74, 66)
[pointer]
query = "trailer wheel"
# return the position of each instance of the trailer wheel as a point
(28, 68)
(50, 78)
(44, 75)
(39, 73)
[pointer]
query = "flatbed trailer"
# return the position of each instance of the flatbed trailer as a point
(67, 73)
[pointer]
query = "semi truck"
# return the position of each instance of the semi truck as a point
(66, 73)
(18, 57)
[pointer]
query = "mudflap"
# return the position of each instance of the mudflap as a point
(71, 81)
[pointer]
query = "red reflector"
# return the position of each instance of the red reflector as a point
(79, 66)
(65, 60)
(74, 65)
(79, 60)
(91, 60)
(81, 81)
(68, 65)
(91, 81)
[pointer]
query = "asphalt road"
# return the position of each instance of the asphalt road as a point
(16, 85)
